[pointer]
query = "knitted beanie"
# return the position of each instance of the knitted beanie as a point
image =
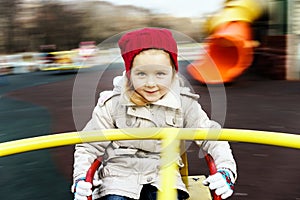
(132, 43)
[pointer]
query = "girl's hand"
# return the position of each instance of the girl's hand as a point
(221, 182)
(83, 189)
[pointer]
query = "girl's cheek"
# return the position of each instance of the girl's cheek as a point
(166, 83)
(137, 83)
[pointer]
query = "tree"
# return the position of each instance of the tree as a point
(56, 24)
(8, 9)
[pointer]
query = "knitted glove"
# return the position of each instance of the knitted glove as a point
(83, 189)
(221, 182)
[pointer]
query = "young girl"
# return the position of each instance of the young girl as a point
(149, 94)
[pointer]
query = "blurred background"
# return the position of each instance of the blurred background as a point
(45, 44)
(29, 27)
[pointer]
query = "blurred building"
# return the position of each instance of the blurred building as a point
(278, 31)
(293, 31)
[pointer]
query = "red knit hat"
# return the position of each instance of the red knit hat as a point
(132, 43)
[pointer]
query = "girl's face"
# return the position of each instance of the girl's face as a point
(152, 74)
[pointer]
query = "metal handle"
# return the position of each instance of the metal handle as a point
(91, 172)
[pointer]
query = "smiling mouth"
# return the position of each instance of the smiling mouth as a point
(151, 92)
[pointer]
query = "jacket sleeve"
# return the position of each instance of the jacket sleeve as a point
(219, 150)
(86, 153)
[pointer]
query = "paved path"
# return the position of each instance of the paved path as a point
(41, 103)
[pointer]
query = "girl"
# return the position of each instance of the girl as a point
(149, 94)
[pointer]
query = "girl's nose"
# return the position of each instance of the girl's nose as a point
(150, 82)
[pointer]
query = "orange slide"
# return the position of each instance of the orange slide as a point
(229, 50)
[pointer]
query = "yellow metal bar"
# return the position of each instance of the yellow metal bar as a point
(184, 171)
(249, 136)
(170, 144)
(41, 142)
(169, 156)
(62, 139)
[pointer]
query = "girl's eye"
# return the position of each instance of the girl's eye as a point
(141, 74)
(161, 74)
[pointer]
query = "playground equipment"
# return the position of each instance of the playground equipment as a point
(193, 183)
(229, 47)
(170, 144)
(61, 61)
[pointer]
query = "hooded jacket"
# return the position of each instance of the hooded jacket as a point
(129, 164)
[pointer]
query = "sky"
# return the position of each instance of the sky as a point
(179, 8)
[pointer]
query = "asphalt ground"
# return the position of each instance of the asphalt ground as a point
(41, 103)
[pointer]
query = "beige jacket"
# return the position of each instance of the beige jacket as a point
(129, 164)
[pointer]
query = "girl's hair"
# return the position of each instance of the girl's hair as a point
(134, 96)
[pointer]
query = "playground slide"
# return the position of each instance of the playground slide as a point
(229, 49)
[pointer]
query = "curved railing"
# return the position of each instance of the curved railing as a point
(170, 143)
